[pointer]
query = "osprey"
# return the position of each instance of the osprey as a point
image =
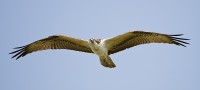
(103, 48)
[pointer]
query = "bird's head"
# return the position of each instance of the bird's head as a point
(94, 41)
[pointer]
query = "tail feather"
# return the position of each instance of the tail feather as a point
(107, 62)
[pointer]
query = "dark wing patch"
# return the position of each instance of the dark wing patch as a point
(52, 42)
(140, 37)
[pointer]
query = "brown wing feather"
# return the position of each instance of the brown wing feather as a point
(52, 42)
(134, 38)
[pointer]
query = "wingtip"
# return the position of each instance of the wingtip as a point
(176, 35)
(182, 45)
(15, 59)
(179, 41)
(18, 53)
(20, 47)
(179, 38)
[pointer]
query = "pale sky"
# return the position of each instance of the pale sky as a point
(144, 67)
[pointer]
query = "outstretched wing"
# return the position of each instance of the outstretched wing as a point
(134, 38)
(53, 42)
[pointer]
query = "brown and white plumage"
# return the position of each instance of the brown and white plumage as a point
(135, 38)
(53, 42)
(103, 48)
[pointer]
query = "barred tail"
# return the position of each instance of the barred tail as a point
(107, 62)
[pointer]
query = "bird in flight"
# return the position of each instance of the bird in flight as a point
(101, 47)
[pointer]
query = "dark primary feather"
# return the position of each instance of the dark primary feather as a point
(52, 42)
(140, 37)
(178, 41)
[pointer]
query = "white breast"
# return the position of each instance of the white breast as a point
(98, 49)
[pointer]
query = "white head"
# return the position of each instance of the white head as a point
(94, 41)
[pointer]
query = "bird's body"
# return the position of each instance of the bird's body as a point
(103, 48)
(98, 46)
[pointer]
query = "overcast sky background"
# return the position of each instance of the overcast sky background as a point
(145, 67)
